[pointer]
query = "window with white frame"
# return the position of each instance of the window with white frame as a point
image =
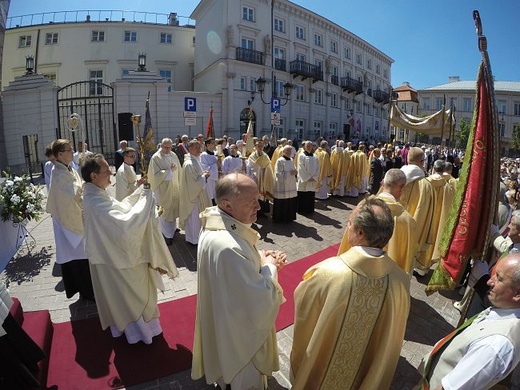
(516, 110)
(468, 106)
(426, 103)
(502, 106)
(359, 59)
(299, 126)
(347, 104)
(279, 25)
(358, 106)
(299, 91)
(369, 63)
(377, 112)
(167, 74)
(243, 83)
(130, 36)
(279, 88)
(166, 38)
(334, 70)
(252, 84)
(279, 53)
(378, 69)
(96, 80)
(347, 73)
(385, 73)
(438, 103)
(25, 41)
(51, 38)
(300, 57)
(333, 127)
(318, 40)
(334, 46)
(98, 36)
(318, 125)
(247, 43)
(248, 14)
(334, 100)
(318, 63)
(346, 52)
(300, 32)
(318, 96)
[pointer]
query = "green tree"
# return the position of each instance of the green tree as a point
(516, 137)
(463, 134)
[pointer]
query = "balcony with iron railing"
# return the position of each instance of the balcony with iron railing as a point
(249, 55)
(381, 96)
(280, 64)
(351, 85)
(306, 70)
(86, 16)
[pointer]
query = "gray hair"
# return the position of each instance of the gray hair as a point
(166, 141)
(439, 166)
(394, 177)
(375, 219)
(230, 186)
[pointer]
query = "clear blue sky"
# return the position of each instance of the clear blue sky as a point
(428, 40)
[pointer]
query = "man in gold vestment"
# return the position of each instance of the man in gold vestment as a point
(417, 198)
(358, 172)
(340, 162)
(442, 193)
(351, 310)
(322, 186)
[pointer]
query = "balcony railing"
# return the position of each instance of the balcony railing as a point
(334, 79)
(82, 16)
(280, 64)
(351, 85)
(381, 96)
(249, 55)
(306, 70)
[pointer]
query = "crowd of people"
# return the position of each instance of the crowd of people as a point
(351, 310)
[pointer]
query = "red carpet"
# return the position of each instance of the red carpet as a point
(85, 357)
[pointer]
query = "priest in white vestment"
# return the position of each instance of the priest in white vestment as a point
(194, 197)
(127, 255)
(163, 176)
(64, 203)
(233, 162)
(238, 294)
(209, 162)
(126, 178)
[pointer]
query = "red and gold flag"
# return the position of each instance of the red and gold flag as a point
(466, 233)
(210, 129)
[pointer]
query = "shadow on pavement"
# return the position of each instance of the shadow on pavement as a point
(27, 266)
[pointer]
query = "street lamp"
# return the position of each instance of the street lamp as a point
(141, 62)
(287, 89)
(29, 65)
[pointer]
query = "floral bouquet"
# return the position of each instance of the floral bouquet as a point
(20, 200)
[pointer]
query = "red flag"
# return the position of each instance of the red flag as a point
(474, 206)
(210, 129)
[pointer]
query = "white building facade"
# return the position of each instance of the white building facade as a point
(461, 96)
(340, 82)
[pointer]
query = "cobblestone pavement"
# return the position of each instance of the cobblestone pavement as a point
(33, 277)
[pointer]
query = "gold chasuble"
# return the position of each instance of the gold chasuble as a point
(402, 247)
(340, 162)
(263, 174)
(417, 199)
(325, 167)
(359, 163)
(443, 194)
(350, 319)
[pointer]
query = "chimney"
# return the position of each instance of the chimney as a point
(453, 79)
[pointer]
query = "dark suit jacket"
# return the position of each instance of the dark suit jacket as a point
(376, 175)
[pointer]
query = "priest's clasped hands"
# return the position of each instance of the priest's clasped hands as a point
(277, 258)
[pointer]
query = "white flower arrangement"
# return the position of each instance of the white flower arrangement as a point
(20, 200)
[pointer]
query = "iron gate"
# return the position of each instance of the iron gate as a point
(94, 102)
